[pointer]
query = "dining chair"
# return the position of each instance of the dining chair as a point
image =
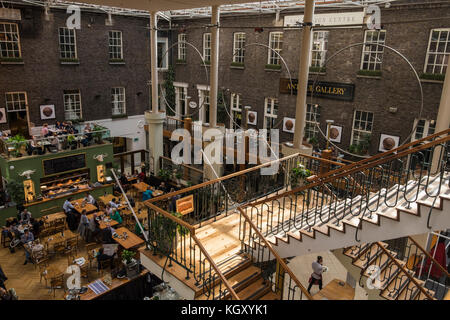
(57, 282)
(59, 247)
(42, 265)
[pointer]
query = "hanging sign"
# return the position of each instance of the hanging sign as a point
(185, 205)
(328, 19)
(10, 14)
(321, 89)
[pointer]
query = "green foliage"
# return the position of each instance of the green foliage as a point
(18, 141)
(299, 174)
(165, 174)
(181, 61)
(164, 231)
(433, 76)
(370, 73)
(70, 138)
(237, 64)
(77, 121)
(222, 115)
(69, 60)
(116, 60)
(15, 190)
(317, 69)
(314, 140)
(273, 66)
(362, 147)
(170, 90)
(128, 255)
(98, 133)
(10, 59)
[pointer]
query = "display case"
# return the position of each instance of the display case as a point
(65, 184)
(30, 194)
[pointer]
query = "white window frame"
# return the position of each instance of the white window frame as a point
(361, 131)
(235, 107)
(270, 114)
(118, 101)
(166, 58)
(311, 121)
(207, 46)
(319, 48)
(115, 41)
(181, 94)
(426, 128)
(273, 58)
(67, 36)
(11, 41)
(182, 46)
(66, 111)
(202, 89)
(239, 47)
(373, 55)
(14, 98)
(446, 52)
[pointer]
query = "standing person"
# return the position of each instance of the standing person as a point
(141, 175)
(173, 201)
(26, 238)
(83, 227)
(316, 276)
(94, 227)
(44, 130)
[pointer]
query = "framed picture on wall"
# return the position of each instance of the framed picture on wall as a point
(388, 142)
(335, 133)
(3, 115)
(47, 112)
(252, 118)
(289, 125)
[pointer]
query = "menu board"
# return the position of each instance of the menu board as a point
(58, 165)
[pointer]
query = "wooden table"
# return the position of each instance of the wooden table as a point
(51, 240)
(140, 187)
(107, 198)
(115, 283)
(52, 217)
(88, 207)
(334, 291)
(132, 240)
(103, 224)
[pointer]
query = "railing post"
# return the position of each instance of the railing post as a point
(132, 163)
(280, 273)
(324, 165)
(188, 127)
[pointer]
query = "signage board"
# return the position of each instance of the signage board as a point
(321, 89)
(328, 19)
(185, 205)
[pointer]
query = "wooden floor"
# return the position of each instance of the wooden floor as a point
(25, 278)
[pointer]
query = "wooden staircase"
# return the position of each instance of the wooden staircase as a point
(394, 283)
(351, 220)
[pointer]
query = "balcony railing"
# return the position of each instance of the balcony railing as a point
(15, 149)
(189, 174)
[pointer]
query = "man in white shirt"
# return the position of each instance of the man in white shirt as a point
(113, 204)
(90, 199)
(67, 206)
(316, 276)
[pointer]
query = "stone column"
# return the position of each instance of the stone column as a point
(214, 69)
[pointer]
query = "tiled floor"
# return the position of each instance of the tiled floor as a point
(301, 267)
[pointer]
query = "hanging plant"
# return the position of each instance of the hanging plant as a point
(299, 175)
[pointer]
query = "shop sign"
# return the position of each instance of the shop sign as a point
(321, 89)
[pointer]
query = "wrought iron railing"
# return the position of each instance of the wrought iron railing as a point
(357, 190)
(223, 195)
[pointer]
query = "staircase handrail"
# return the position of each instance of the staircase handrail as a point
(279, 259)
(191, 229)
(352, 168)
(430, 257)
(410, 277)
(390, 152)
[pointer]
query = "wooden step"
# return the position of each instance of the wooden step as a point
(409, 292)
(395, 286)
(255, 290)
(270, 296)
(238, 281)
(370, 254)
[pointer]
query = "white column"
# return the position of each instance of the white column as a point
(443, 116)
(154, 60)
(214, 68)
(303, 70)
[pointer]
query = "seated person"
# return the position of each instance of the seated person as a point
(163, 187)
(107, 235)
(131, 200)
(58, 125)
(44, 131)
(147, 195)
(87, 128)
(116, 216)
(113, 203)
(25, 216)
(37, 250)
(36, 226)
(141, 176)
(137, 229)
(54, 144)
(26, 238)
(32, 146)
(123, 180)
(94, 227)
(108, 210)
(101, 256)
(90, 199)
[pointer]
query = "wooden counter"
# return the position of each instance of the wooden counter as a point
(116, 283)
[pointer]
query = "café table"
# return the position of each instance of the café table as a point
(108, 198)
(58, 237)
(88, 207)
(53, 217)
(103, 224)
(132, 240)
(140, 186)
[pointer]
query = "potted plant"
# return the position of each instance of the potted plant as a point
(178, 175)
(18, 141)
(299, 175)
(131, 265)
(165, 174)
(98, 134)
(16, 191)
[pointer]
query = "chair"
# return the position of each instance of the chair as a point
(57, 282)
(59, 247)
(38, 256)
(102, 265)
(43, 264)
(5, 239)
(72, 243)
(90, 254)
